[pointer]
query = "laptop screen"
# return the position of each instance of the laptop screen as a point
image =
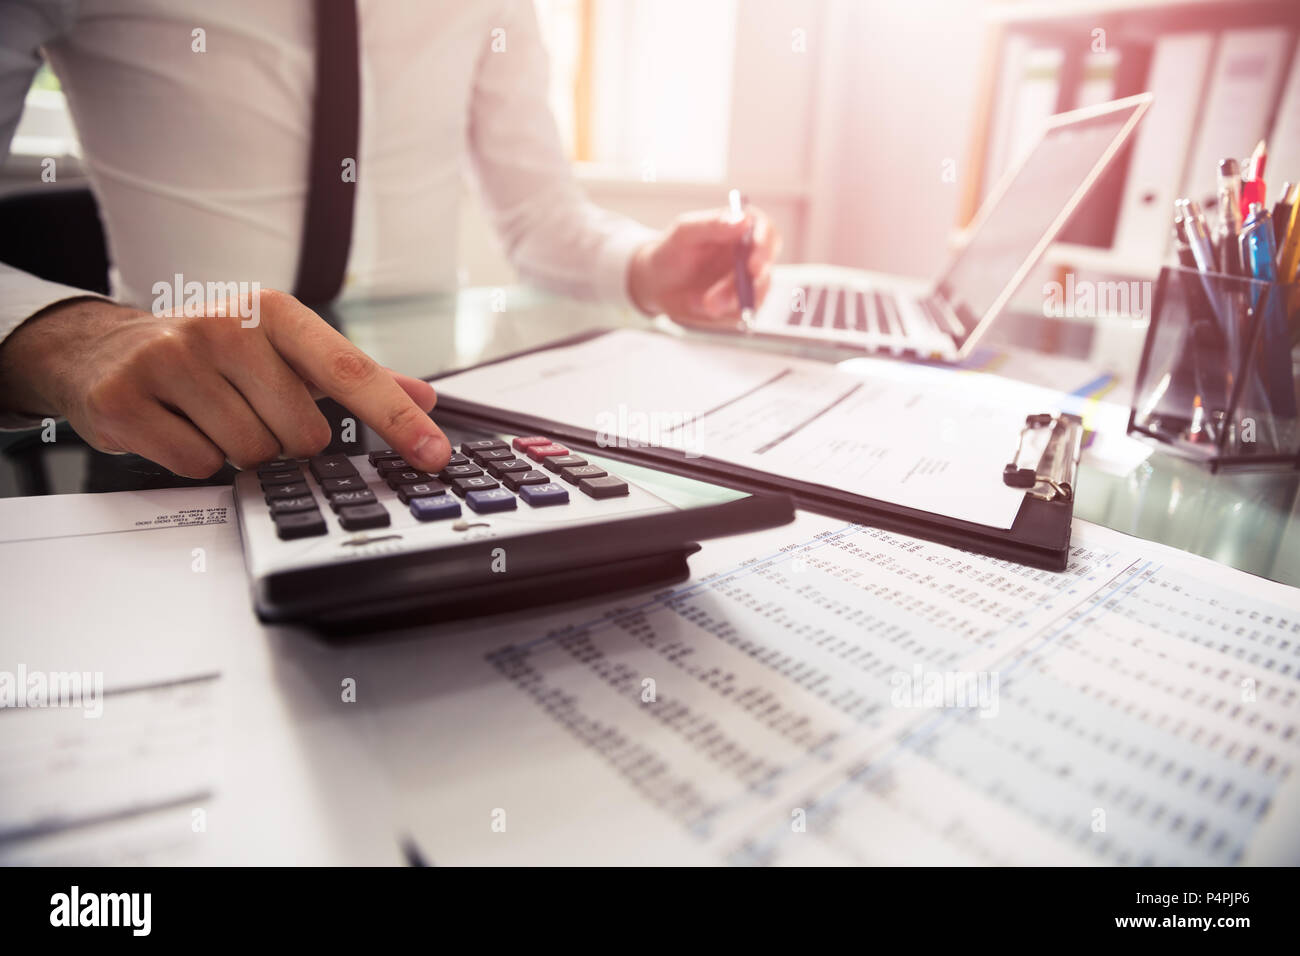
(1016, 224)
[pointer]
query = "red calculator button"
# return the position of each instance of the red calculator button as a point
(538, 452)
(528, 442)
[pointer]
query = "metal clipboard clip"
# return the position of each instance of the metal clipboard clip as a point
(1051, 476)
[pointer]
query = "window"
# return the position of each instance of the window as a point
(642, 88)
(45, 128)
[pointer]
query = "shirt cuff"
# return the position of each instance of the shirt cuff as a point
(615, 258)
(22, 295)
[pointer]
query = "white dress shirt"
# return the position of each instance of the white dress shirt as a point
(199, 159)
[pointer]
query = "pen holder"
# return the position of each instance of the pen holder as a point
(1220, 371)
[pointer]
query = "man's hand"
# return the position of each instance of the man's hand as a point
(690, 272)
(192, 392)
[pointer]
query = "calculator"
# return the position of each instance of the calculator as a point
(347, 543)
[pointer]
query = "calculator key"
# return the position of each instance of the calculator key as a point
(351, 483)
(299, 524)
(529, 441)
(485, 455)
(279, 477)
(268, 468)
(375, 457)
(332, 466)
(575, 475)
(435, 508)
(462, 486)
(609, 487)
(386, 466)
(452, 472)
(344, 499)
(420, 489)
(284, 506)
(540, 452)
(294, 489)
(458, 459)
(514, 480)
(469, 447)
(398, 478)
(506, 465)
(486, 502)
(539, 496)
(360, 517)
(560, 462)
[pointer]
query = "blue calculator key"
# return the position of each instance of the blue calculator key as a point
(539, 496)
(495, 499)
(432, 509)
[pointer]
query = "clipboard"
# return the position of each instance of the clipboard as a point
(1043, 459)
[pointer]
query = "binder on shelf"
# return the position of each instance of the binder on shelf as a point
(1039, 535)
(1243, 87)
(1161, 146)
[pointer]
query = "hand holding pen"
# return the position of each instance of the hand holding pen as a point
(692, 272)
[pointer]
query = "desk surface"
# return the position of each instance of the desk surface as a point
(1248, 521)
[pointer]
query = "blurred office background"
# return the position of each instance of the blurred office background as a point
(871, 129)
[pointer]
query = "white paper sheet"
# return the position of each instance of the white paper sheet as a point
(917, 444)
(1144, 712)
(218, 740)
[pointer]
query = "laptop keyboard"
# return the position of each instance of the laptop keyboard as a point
(486, 476)
(919, 325)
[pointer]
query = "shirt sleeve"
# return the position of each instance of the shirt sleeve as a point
(24, 28)
(552, 233)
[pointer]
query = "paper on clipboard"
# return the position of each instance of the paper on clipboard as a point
(934, 449)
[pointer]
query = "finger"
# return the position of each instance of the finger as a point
(279, 398)
(342, 371)
(221, 413)
(159, 434)
(708, 227)
(421, 392)
(720, 300)
(762, 285)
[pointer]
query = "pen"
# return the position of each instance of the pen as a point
(1198, 234)
(1289, 257)
(1205, 339)
(1258, 252)
(1259, 255)
(1252, 178)
(1282, 214)
(1182, 244)
(1230, 216)
(744, 284)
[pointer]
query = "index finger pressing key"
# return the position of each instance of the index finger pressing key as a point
(342, 371)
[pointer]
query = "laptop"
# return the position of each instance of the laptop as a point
(1022, 215)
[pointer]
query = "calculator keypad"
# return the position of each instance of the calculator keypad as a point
(488, 476)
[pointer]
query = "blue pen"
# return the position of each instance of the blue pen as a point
(744, 283)
(1259, 258)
